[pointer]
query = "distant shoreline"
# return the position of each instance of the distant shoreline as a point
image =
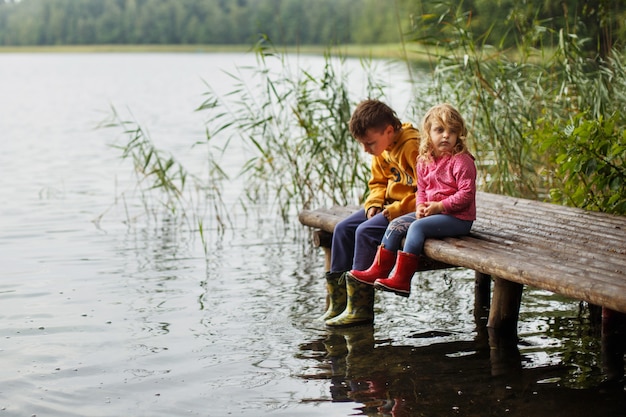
(379, 51)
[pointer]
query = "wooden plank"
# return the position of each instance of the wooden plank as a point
(544, 227)
(585, 259)
(573, 283)
(545, 230)
(534, 262)
(326, 218)
(561, 216)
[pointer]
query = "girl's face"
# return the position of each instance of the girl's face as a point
(375, 141)
(443, 139)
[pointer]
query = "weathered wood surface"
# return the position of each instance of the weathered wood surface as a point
(325, 218)
(573, 252)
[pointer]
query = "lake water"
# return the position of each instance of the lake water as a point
(109, 312)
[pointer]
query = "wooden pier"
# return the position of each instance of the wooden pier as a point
(515, 242)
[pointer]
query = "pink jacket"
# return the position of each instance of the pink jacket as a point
(452, 180)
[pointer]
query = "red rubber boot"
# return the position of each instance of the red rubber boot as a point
(382, 266)
(400, 281)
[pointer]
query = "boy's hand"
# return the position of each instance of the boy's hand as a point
(372, 211)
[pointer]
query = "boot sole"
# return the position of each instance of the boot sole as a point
(396, 292)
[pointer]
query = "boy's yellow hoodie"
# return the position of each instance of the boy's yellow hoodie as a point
(393, 182)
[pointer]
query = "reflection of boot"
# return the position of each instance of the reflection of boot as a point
(336, 354)
(359, 341)
(335, 345)
(359, 307)
(381, 267)
(400, 280)
(360, 344)
(336, 289)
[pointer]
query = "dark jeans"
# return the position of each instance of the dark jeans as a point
(417, 231)
(355, 241)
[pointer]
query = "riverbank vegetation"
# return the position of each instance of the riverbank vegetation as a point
(394, 51)
(542, 84)
(546, 121)
(549, 129)
(324, 23)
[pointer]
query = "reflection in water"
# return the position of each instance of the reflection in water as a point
(454, 378)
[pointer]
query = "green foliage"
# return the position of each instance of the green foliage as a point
(516, 99)
(588, 160)
(298, 22)
(290, 22)
(535, 23)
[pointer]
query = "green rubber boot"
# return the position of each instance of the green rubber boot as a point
(336, 290)
(359, 307)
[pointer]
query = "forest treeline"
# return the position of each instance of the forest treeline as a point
(62, 22)
(292, 22)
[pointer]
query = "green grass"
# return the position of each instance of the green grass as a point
(383, 51)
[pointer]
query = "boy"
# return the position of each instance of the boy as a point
(392, 186)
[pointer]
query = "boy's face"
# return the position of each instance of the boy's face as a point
(376, 141)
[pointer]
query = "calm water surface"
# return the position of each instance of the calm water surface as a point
(107, 312)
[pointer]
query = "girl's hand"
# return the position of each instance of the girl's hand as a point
(420, 211)
(433, 207)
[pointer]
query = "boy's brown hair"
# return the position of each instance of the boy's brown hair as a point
(372, 114)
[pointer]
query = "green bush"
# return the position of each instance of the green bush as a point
(587, 163)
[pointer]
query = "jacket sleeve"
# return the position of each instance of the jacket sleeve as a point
(402, 207)
(406, 192)
(421, 184)
(377, 187)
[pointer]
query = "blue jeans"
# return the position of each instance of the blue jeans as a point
(355, 241)
(418, 230)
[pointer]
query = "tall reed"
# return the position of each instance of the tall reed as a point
(165, 186)
(295, 123)
(514, 99)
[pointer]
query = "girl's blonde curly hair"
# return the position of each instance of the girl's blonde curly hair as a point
(448, 117)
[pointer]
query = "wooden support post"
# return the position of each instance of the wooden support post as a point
(482, 299)
(324, 240)
(504, 311)
(502, 327)
(482, 295)
(326, 259)
(613, 344)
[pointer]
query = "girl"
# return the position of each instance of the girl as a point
(445, 203)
